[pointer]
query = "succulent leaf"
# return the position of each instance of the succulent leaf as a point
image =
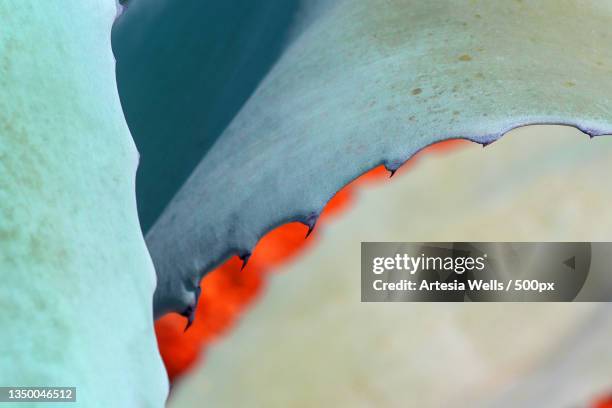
(77, 280)
(365, 83)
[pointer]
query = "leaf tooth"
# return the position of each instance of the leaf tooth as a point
(245, 259)
(310, 221)
(392, 167)
(190, 310)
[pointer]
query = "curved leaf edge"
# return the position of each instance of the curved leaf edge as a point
(187, 304)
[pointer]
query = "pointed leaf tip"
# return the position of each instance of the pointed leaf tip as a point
(245, 260)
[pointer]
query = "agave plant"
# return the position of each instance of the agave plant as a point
(359, 84)
(346, 85)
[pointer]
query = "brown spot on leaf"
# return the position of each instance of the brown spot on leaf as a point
(416, 91)
(465, 58)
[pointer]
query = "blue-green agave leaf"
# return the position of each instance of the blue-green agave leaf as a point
(370, 82)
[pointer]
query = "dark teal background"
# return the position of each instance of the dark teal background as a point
(184, 69)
